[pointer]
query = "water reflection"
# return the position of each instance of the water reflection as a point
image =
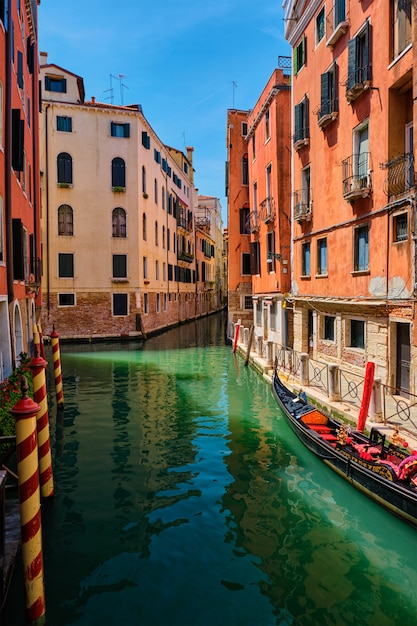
(183, 499)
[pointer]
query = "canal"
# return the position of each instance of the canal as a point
(182, 498)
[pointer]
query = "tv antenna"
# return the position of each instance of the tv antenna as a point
(234, 86)
(122, 86)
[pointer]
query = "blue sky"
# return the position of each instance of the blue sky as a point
(179, 61)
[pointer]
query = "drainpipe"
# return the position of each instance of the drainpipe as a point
(8, 163)
(35, 168)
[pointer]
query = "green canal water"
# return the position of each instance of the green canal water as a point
(182, 498)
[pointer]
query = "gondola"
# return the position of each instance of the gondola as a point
(385, 472)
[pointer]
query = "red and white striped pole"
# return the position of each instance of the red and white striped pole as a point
(24, 412)
(38, 365)
(56, 357)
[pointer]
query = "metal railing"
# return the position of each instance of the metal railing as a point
(401, 176)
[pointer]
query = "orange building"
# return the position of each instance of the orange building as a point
(239, 278)
(259, 213)
(354, 279)
(269, 155)
(19, 180)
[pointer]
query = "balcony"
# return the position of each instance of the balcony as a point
(401, 175)
(356, 174)
(203, 223)
(188, 257)
(266, 210)
(357, 81)
(303, 205)
(32, 273)
(336, 23)
(328, 113)
(301, 138)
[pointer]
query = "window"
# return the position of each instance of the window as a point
(244, 221)
(155, 191)
(65, 265)
(401, 26)
(306, 259)
(156, 234)
(164, 271)
(165, 301)
(119, 130)
(64, 123)
(157, 155)
(64, 168)
(270, 251)
(146, 140)
(144, 226)
(20, 81)
(255, 265)
(302, 130)
(267, 129)
(119, 265)
(300, 55)
(163, 198)
(118, 173)
(245, 264)
(322, 257)
(168, 239)
(143, 179)
(66, 299)
(359, 63)
(65, 220)
(145, 267)
(120, 303)
(163, 237)
(328, 327)
(244, 128)
(357, 334)
(118, 222)
(157, 270)
(245, 170)
(400, 227)
(55, 83)
(361, 248)
(248, 303)
(253, 147)
(328, 97)
(320, 26)
(145, 303)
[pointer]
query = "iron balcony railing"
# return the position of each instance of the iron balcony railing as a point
(266, 210)
(32, 270)
(356, 176)
(357, 81)
(302, 204)
(401, 175)
(328, 112)
(185, 256)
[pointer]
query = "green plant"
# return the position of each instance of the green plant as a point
(118, 188)
(145, 195)
(10, 393)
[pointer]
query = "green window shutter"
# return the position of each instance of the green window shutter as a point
(325, 95)
(304, 50)
(367, 67)
(127, 130)
(298, 121)
(352, 66)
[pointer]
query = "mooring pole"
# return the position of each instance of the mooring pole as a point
(56, 356)
(41, 343)
(24, 412)
(38, 365)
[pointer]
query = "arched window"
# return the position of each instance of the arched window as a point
(156, 234)
(118, 173)
(156, 191)
(64, 168)
(65, 220)
(144, 226)
(143, 179)
(163, 237)
(119, 222)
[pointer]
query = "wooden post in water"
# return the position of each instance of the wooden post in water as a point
(251, 333)
(38, 365)
(56, 356)
(24, 412)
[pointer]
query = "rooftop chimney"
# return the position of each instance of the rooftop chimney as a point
(190, 151)
(43, 58)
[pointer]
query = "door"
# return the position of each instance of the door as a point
(403, 360)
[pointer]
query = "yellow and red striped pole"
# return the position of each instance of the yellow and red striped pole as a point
(41, 344)
(36, 340)
(38, 365)
(56, 356)
(24, 412)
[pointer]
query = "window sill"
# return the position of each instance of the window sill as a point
(119, 280)
(64, 185)
(321, 276)
(305, 276)
(360, 273)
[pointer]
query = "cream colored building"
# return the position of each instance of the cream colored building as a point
(209, 211)
(117, 217)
